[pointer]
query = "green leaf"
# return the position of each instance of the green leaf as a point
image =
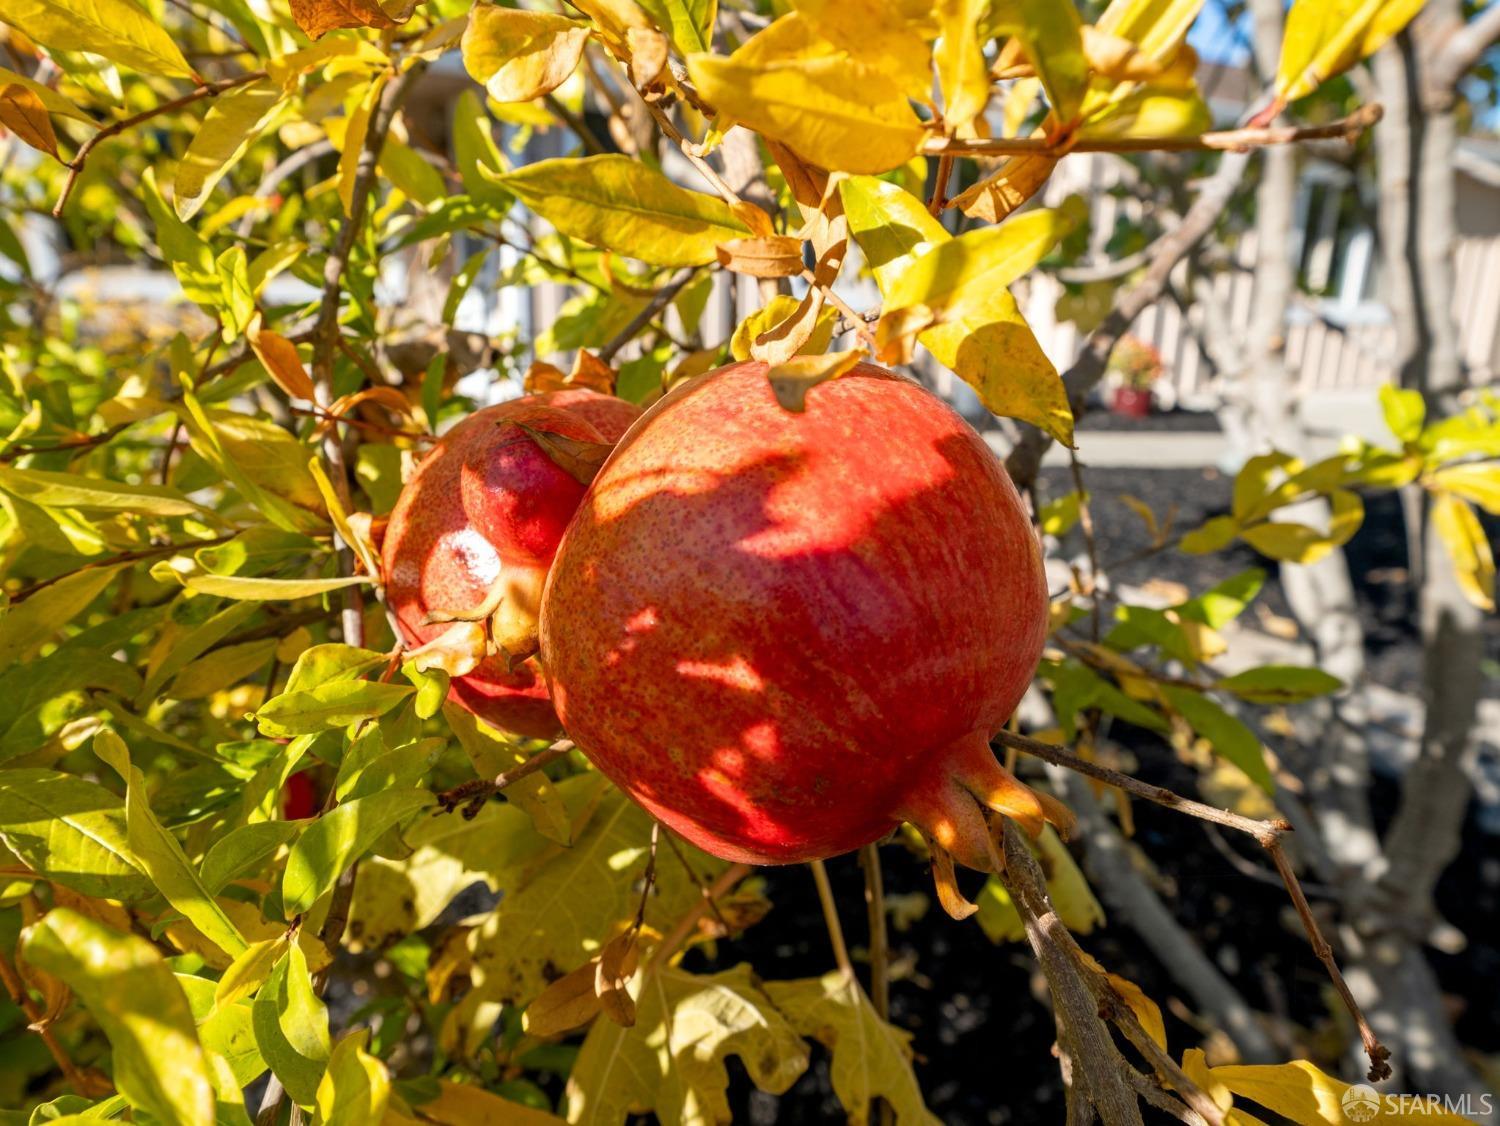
(1230, 738)
(1404, 411)
(71, 831)
(871, 1058)
(337, 704)
(234, 121)
(157, 852)
(267, 590)
(689, 24)
(622, 205)
(356, 1087)
(130, 991)
(474, 148)
(518, 55)
(244, 851)
(1222, 604)
(291, 1028)
(227, 1031)
(1280, 684)
(94, 494)
(190, 257)
(24, 626)
(116, 29)
(249, 971)
(1213, 535)
(892, 226)
(338, 838)
(832, 109)
(1052, 36)
(672, 1060)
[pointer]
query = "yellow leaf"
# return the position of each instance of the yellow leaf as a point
(234, 121)
(249, 969)
(689, 23)
(1477, 483)
(794, 378)
(1462, 534)
(462, 1104)
(50, 98)
(1158, 27)
(620, 204)
(963, 71)
(116, 29)
(555, 912)
(1150, 111)
(1067, 887)
(352, 143)
(672, 1060)
(892, 226)
(520, 55)
(356, 1088)
(997, 195)
(1302, 1094)
(131, 992)
(318, 17)
(832, 109)
(279, 357)
(976, 328)
(1322, 37)
(771, 256)
(893, 37)
(24, 114)
(870, 1057)
(1195, 1067)
(780, 309)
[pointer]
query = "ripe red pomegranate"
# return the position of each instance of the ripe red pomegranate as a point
(784, 633)
(299, 797)
(480, 520)
(609, 415)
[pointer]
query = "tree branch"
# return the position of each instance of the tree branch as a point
(80, 158)
(1463, 49)
(1026, 459)
(1231, 140)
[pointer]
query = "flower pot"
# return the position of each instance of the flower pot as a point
(1132, 402)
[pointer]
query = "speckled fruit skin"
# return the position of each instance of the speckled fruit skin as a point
(784, 633)
(608, 415)
(484, 498)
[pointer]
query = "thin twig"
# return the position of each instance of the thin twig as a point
(81, 1080)
(472, 794)
(705, 169)
(82, 442)
(939, 198)
(1086, 525)
(114, 560)
(659, 301)
(1379, 1054)
(702, 884)
(831, 918)
(209, 90)
(857, 322)
(684, 926)
(1229, 140)
(1262, 831)
(1267, 834)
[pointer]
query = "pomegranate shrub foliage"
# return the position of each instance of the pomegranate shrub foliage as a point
(331, 598)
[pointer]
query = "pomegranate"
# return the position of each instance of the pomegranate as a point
(784, 633)
(299, 797)
(609, 415)
(472, 535)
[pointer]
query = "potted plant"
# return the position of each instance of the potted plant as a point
(1135, 366)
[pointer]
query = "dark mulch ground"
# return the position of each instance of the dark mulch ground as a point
(982, 1036)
